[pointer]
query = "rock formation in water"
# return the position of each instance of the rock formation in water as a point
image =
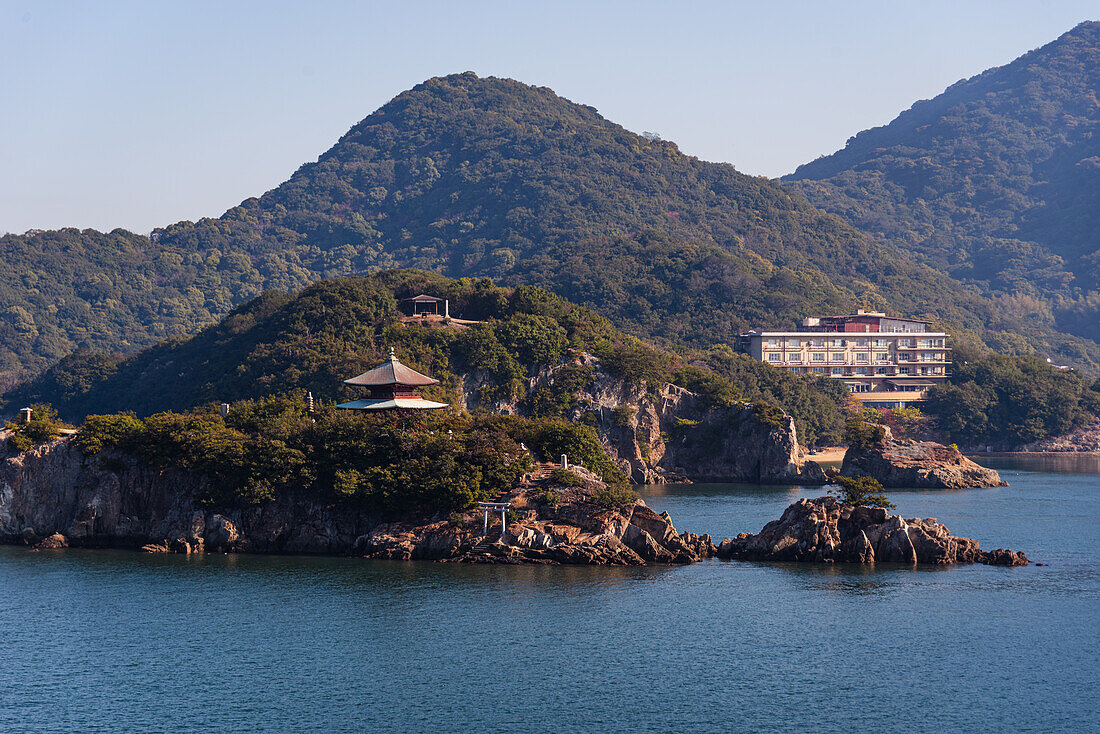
(53, 496)
(824, 530)
(670, 437)
(922, 464)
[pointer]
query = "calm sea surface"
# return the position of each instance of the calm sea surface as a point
(120, 641)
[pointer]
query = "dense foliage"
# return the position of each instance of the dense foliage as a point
(818, 405)
(1010, 401)
(480, 177)
(996, 181)
(396, 466)
(336, 329)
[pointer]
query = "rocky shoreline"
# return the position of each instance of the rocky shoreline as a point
(53, 497)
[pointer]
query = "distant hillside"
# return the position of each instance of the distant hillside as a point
(490, 177)
(996, 181)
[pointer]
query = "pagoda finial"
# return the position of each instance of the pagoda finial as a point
(392, 356)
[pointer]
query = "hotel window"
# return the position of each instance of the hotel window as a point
(880, 370)
(882, 356)
(794, 357)
(905, 342)
(838, 342)
(862, 356)
(818, 356)
(773, 356)
(904, 370)
(819, 370)
(861, 370)
(817, 342)
(794, 343)
(882, 342)
(937, 370)
(773, 342)
(838, 370)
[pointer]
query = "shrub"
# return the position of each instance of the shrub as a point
(565, 478)
(614, 497)
(859, 434)
(623, 415)
(550, 499)
(99, 432)
(769, 415)
(860, 491)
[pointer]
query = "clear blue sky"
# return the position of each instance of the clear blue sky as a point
(139, 114)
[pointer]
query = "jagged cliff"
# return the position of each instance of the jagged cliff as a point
(667, 435)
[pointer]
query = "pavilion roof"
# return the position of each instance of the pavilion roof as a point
(424, 298)
(402, 403)
(391, 372)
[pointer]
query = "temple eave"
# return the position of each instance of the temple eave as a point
(395, 403)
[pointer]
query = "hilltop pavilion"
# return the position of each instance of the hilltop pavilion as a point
(392, 386)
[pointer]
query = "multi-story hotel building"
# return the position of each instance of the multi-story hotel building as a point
(886, 362)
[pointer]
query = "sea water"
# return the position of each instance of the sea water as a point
(119, 641)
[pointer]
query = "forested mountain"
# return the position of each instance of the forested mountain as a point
(996, 181)
(491, 177)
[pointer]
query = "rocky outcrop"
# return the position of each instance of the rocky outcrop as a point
(550, 524)
(52, 497)
(921, 464)
(824, 531)
(735, 444)
(666, 435)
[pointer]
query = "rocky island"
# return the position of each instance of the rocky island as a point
(897, 463)
(825, 530)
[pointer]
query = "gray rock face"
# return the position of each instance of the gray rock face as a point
(924, 464)
(111, 501)
(824, 530)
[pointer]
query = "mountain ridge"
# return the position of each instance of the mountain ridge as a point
(490, 177)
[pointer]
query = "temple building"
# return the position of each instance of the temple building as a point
(392, 386)
(425, 305)
(886, 362)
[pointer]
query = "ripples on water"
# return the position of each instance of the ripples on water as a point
(120, 641)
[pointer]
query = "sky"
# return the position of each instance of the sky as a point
(140, 114)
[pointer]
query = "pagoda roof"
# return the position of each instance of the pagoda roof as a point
(403, 403)
(391, 372)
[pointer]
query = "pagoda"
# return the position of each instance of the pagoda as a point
(392, 386)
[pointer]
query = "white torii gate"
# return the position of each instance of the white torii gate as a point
(501, 507)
